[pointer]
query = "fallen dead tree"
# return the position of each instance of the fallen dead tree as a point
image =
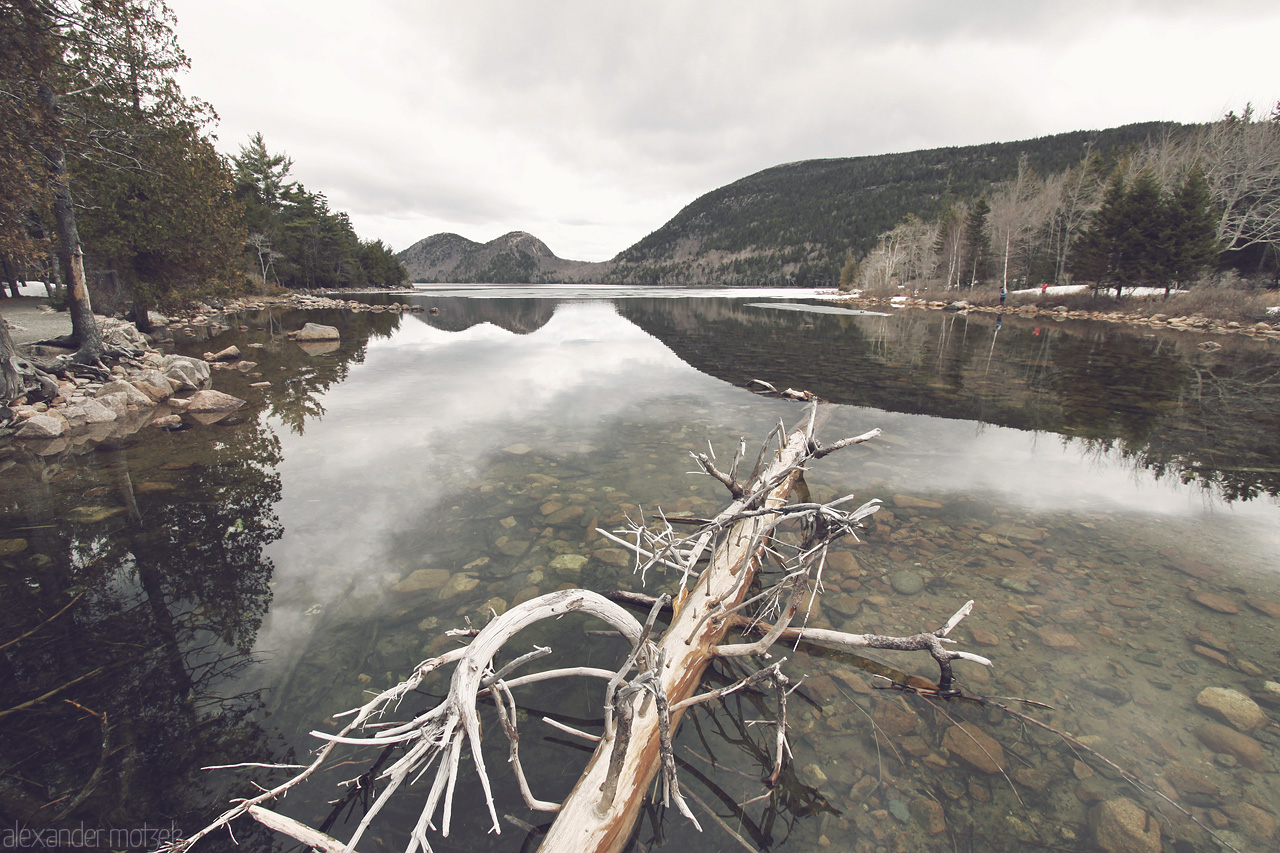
(646, 697)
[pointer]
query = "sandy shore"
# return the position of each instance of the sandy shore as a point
(30, 317)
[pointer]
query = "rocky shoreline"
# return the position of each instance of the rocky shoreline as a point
(1190, 323)
(154, 388)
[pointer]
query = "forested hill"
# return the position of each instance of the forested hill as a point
(512, 258)
(795, 223)
(792, 224)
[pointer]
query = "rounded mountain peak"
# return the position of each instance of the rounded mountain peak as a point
(525, 242)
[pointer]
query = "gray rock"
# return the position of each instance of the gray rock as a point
(42, 426)
(133, 398)
(91, 411)
(315, 332)
(212, 402)
(906, 582)
(188, 374)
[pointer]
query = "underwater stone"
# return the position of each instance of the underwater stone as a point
(1122, 826)
(1232, 707)
(974, 747)
(1222, 739)
(906, 582)
(423, 579)
(568, 562)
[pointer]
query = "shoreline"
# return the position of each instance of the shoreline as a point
(1185, 323)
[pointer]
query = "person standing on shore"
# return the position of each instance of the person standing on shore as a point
(1004, 291)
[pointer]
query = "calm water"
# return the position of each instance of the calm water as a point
(233, 586)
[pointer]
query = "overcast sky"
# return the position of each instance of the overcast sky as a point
(590, 123)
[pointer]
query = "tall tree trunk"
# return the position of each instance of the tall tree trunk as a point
(84, 329)
(10, 376)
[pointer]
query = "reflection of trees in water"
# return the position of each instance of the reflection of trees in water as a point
(140, 592)
(298, 379)
(1220, 432)
(1162, 403)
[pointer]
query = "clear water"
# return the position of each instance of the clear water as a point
(238, 582)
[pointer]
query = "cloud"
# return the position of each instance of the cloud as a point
(589, 124)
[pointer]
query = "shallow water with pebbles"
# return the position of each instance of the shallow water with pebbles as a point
(440, 468)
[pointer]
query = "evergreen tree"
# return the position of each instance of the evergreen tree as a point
(977, 243)
(1192, 242)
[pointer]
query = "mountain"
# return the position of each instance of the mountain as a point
(510, 259)
(792, 224)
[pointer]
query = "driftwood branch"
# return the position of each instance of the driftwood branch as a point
(647, 695)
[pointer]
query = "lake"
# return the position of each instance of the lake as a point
(1105, 495)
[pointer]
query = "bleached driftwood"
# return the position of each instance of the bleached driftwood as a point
(646, 697)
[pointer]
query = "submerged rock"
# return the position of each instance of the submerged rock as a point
(1232, 707)
(1216, 603)
(974, 747)
(907, 582)
(423, 579)
(1228, 741)
(1122, 826)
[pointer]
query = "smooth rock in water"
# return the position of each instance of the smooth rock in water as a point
(231, 353)
(212, 402)
(1268, 693)
(167, 421)
(1060, 640)
(1216, 603)
(974, 747)
(1228, 741)
(423, 579)
(844, 564)
(1257, 824)
(315, 332)
(614, 557)
(1122, 826)
(459, 584)
(906, 582)
(1232, 707)
(929, 814)
(568, 562)
(565, 516)
(9, 547)
(93, 514)
(895, 719)
(42, 426)
(1266, 608)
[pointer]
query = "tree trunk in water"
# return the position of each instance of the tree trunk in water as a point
(585, 822)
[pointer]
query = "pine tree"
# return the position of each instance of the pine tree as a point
(977, 242)
(1192, 240)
